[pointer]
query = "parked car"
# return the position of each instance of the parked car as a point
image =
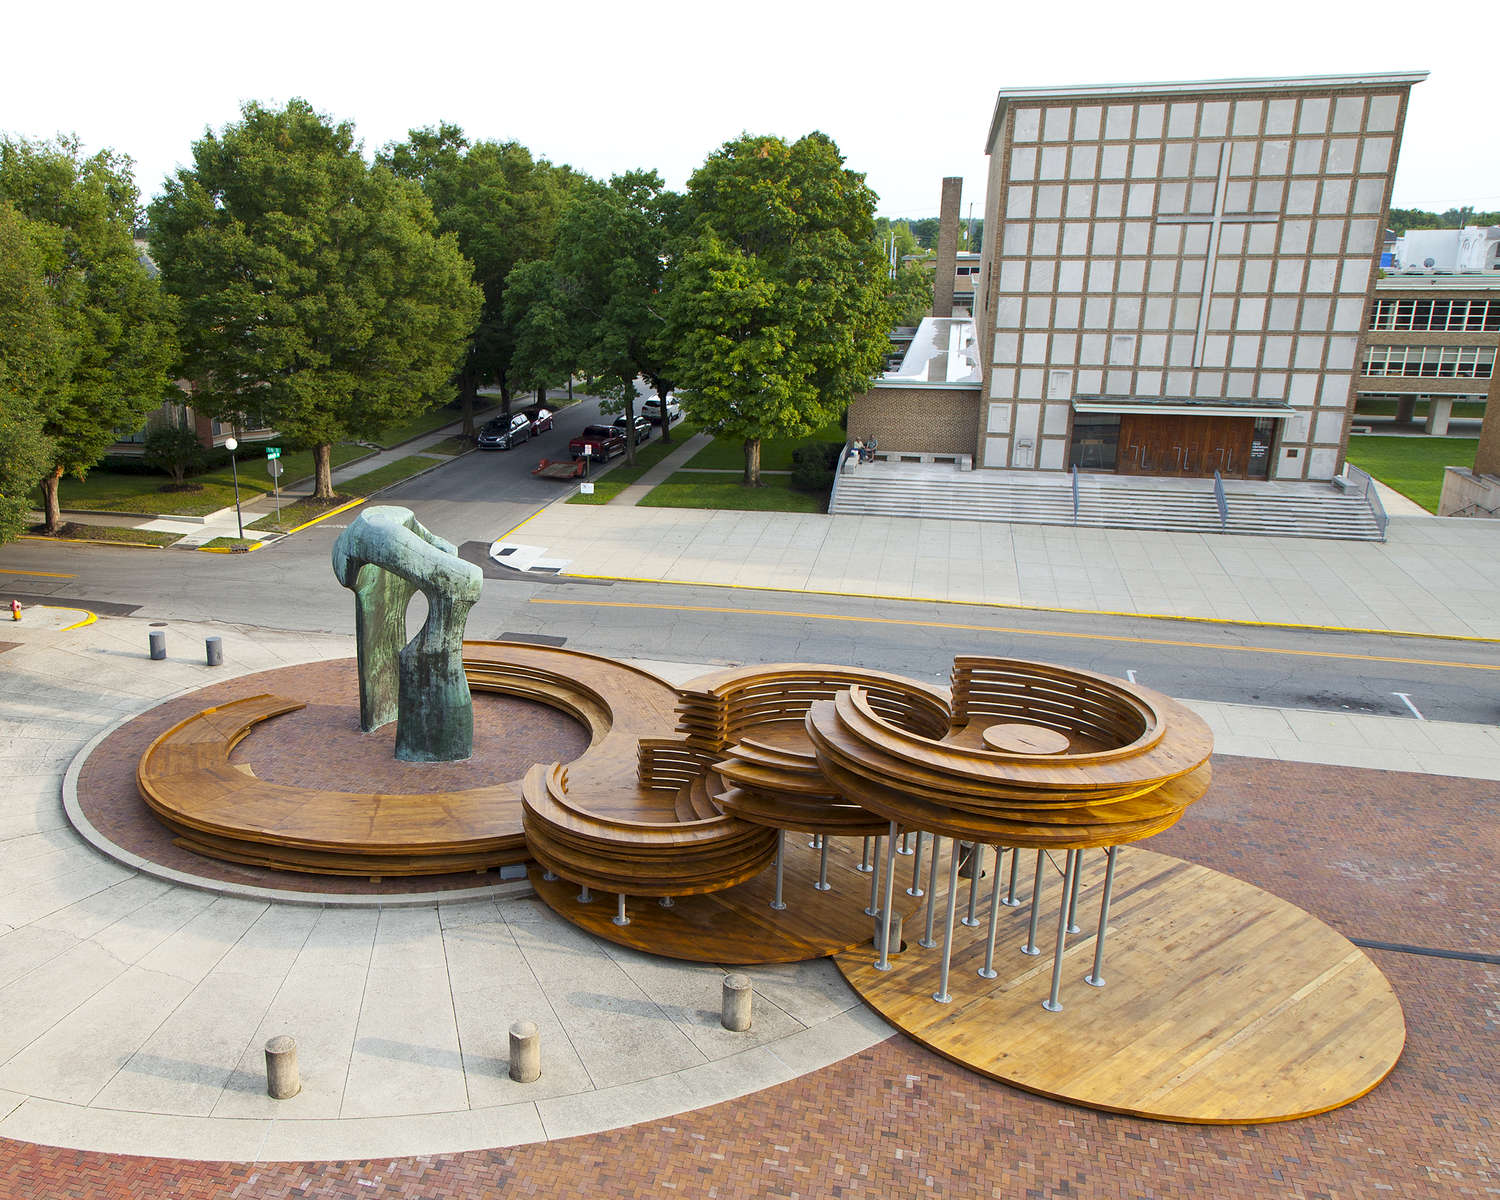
(604, 441)
(642, 427)
(651, 409)
(541, 419)
(504, 432)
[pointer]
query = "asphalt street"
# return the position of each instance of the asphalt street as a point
(483, 495)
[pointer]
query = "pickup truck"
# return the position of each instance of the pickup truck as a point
(604, 442)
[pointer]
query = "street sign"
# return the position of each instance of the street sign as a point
(273, 465)
(273, 452)
(586, 488)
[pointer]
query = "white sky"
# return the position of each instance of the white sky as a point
(905, 89)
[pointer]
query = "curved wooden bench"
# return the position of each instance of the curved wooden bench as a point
(222, 811)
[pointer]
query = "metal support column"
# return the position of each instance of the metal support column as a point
(584, 897)
(777, 902)
(976, 870)
(1073, 896)
(1010, 900)
(864, 858)
(620, 918)
(870, 909)
(823, 885)
(1070, 872)
(988, 970)
(906, 843)
(1036, 907)
(926, 940)
(892, 849)
(916, 868)
(1095, 978)
(941, 995)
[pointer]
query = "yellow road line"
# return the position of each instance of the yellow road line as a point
(1044, 633)
(332, 512)
(89, 619)
(38, 574)
(1057, 608)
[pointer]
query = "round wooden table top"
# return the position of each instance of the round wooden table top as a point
(1017, 738)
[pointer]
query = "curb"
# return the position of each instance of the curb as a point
(41, 537)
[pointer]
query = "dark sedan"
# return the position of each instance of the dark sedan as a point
(504, 432)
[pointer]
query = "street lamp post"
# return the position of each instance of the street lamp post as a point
(232, 445)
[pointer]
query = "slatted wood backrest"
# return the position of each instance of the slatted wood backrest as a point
(669, 764)
(993, 690)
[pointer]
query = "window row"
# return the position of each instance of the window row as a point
(1285, 276)
(1209, 118)
(1328, 392)
(1442, 316)
(1096, 238)
(1202, 160)
(1242, 197)
(1431, 362)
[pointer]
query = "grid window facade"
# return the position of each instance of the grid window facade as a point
(1217, 248)
(1430, 362)
(1438, 316)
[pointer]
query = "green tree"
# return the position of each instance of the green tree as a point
(910, 294)
(315, 289)
(503, 206)
(112, 325)
(592, 307)
(31, 353)
(174, 449)
(776, 307)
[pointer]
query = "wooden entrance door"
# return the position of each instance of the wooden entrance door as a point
(1189, 446)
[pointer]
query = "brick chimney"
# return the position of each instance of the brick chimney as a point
(947, 247)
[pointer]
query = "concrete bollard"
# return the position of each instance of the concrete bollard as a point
(282, 1078)
(214, 648)
(896, 922)
(158, 639)
(525, 1052)
(735, 1012)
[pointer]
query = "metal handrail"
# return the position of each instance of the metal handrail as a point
(838, 471)
(1371, 495)
(1075, 494)
(1223, 502)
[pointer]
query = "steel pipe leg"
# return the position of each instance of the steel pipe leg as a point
(1073, 896)
(864, 858)
(988, 970)
(870, 909)
(584, 896)
(1010, 900)
(1070, 872)
(906, 843)
(823, 885)
(892, 849)
(777, 902)
(976, 869)
(549, 877)
(1036, 908)
(1095, 978)
(926, 940)
(667, 902)
(941, 995)
(620, 918)
(916, 868)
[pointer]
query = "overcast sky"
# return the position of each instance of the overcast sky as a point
(906, 90)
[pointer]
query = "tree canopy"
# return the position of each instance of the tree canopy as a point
(593, 306)
(103, 333)
(777, 308)
(316, 291)
(30, 357)
(503, 206)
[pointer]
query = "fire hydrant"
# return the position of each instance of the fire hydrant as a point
(15, 610)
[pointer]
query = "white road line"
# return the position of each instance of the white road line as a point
(1130, 675)
(1406, 700)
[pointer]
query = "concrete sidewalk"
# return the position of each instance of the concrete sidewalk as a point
(1438, 576)
(136, 1008)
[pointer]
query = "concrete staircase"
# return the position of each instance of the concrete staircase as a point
(1108, 502)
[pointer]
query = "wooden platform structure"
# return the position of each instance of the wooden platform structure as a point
(684, 830)
(1222, 1004)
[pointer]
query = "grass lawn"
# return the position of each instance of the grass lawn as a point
(433, 418)
(449, 445)
(110, 533)
(112, 491)
(293, 515)
(607, 487)
(227, 543)
(728, 454)
(696, 490)
(1412, 466)
(1387, 408)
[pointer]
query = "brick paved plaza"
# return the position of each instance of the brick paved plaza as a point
(1350, 845)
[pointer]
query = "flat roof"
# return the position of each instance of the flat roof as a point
(1435, 281)
(1108, 91)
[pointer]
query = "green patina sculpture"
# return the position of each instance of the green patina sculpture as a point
(385, 557)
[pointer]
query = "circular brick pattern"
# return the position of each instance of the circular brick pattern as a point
(318, 747)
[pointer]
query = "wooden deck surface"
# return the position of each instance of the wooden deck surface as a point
(1223, 1004)
(738, 925)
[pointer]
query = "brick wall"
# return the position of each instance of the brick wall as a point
(918, 420)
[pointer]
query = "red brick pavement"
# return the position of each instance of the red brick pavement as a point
(898, 1121)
